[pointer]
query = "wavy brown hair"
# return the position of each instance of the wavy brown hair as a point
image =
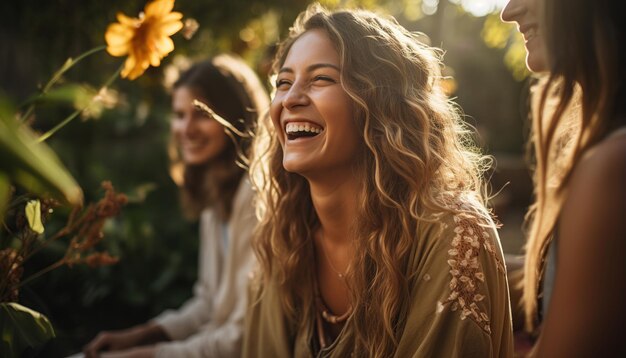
(417, 157)
(583, 100)
(235, 93)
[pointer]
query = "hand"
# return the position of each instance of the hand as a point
(139, 352)
(146, 334)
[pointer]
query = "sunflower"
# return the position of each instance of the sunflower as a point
(146, 39)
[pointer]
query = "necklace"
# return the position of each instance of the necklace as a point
(341, 275)
(328, 316)
(324, 311)
(324, 314)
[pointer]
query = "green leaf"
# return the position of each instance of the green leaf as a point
(5, 192)
(34, 165)
(70, 93)
(7, 108)
(21, 329)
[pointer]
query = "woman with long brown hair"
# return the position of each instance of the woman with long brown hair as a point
(374, 239)
(206, 164)
(575, 276)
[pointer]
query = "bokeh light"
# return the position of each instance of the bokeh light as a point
(480, 8)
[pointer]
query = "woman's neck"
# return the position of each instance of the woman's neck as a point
(335, 204)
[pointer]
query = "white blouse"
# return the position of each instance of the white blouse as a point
(210, 324)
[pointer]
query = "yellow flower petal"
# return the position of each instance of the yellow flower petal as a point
(172, 16)
(120, 30)
(33, 215)
(145, 39)
(139, 67)
(159, 8)
(118, 51)
(165, 45)
(128, 66)
(128, 21)
(170, 28)
(117, 34)
(155, 59)
(138, 70)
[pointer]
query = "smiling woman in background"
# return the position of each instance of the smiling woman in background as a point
(217, 190)
(575, 273)
(373, 240)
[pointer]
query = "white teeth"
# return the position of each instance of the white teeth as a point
(531, 33)
(302, 127)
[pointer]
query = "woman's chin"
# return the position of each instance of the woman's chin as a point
(536, 61)
(296, 168)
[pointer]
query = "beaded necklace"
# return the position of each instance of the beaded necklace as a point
(322, 313)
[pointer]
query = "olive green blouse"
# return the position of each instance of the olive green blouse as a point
(458, 307)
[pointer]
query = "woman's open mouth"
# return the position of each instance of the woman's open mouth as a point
(295, 130)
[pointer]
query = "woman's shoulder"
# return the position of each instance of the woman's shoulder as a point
(462, 241)
(605, 160)
(458, 271)
(465, 225)
(597, 191)
(600, 173)
(243, 201)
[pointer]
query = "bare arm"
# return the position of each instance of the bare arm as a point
(145, 334)
(587, 313)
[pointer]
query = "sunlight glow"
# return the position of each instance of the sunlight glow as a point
(480, 8)
(429, 7)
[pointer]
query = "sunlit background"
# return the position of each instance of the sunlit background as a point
(124, 137)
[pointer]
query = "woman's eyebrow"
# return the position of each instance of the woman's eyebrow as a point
(311, 68)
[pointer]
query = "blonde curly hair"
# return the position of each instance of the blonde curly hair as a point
(418, 157)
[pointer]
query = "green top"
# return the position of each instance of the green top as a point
(459, 304)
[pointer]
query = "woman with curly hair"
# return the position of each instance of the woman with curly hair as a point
(373, 240)
(574, 274)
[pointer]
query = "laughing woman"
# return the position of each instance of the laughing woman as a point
(373, 239)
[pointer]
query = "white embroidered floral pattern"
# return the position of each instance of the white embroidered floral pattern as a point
(466, 270)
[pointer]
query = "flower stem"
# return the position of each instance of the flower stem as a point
(80, 110)
(55, 78)
(69, 64)
(63, 232)
(55, 265)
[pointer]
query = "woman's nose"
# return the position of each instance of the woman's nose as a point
(512, 10)
(296, 96)
(187, 125)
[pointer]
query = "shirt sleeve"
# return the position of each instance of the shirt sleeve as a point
(211, 340)
(218, 334)
(197, 311)
(459, 298)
